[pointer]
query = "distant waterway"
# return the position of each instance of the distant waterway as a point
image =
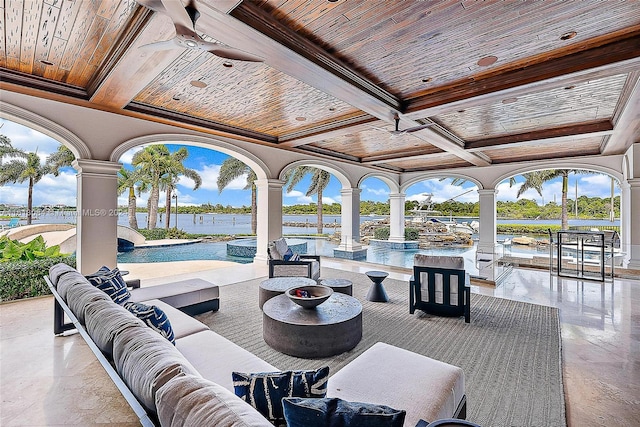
(239, 224)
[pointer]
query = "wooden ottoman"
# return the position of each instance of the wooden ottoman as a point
(386, 375)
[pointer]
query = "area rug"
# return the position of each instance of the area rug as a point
(510, 352)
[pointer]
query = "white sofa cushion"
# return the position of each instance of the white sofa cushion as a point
(192, 401)
(181, 323)
(215, 357)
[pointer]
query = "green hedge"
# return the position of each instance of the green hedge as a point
(411, 233)
(526, 228)
(382, 233)
(23, 279)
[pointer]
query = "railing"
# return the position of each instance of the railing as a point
(615, 228)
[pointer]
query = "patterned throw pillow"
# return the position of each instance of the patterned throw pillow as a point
(339, 413)
(291, 256)
(154, 317)
(265, 390)
(110, 282)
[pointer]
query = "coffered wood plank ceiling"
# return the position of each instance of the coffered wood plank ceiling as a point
(500, 81)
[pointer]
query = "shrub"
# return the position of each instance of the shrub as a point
(411, 233)
(154, 233)
(24, 279)
(175, 233)
(382, 233)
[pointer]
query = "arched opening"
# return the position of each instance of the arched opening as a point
(534, 205)
(38, 195)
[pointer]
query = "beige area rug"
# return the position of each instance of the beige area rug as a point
(510, 352)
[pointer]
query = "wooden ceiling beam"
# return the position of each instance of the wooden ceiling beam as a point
(130, 68)
(594, 128)
(332, 130)
(617, 57)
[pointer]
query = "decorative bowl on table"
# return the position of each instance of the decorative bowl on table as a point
(309, 296)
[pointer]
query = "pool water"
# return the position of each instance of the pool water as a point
(375, 254)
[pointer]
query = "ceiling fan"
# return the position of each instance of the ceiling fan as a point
(397, 132)
(184, 19)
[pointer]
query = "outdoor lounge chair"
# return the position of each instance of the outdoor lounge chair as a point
(440, 286)
(13, 222)
(284, 263)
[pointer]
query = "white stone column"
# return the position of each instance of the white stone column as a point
(350, 247)
(97, 210)
(625, 221)
(633, 212)
(487, 233)
(269, 227)
(396, 217)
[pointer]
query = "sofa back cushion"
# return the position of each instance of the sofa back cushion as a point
(104, 320)
(145, 361)
(57, 271)
(454, 262)
(80, 295)
(192, 401)
(67, 281)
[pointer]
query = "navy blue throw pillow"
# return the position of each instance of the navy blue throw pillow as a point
(287, 255)
(110, 282)
(154, 317)
(336, 412)
(265, 390)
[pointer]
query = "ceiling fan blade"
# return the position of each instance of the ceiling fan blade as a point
(417, 128)
(155, 5)
(228, 52)
(179, 15)
(161, 45)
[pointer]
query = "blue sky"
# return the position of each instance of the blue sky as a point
(62, 189)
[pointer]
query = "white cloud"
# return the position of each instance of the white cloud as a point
(377, 192)
(209, 175)
(127, 157)
(28, 139)
(328, 200)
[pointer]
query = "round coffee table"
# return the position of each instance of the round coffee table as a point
(278, 285)
(343, 286)
(376, 291)
(333, 327)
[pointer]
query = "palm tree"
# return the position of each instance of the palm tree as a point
(233, 168)
(151, 162)
(319, 181)
(19, 171)
(63, 157)
(127, 181)
(174, 169)
(7, 150)
(535, 180)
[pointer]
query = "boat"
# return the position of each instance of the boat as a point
(454, 227)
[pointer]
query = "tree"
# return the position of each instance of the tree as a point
(127, 181)
(174, 169)
(151, 162)
(63, 157)
(19, 171)
(535, 180)
(319, 181)
(7, 150)
(233, 168)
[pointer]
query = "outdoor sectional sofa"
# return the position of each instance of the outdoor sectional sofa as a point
(190, 383)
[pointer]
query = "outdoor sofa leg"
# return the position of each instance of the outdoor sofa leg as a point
(467, 305)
